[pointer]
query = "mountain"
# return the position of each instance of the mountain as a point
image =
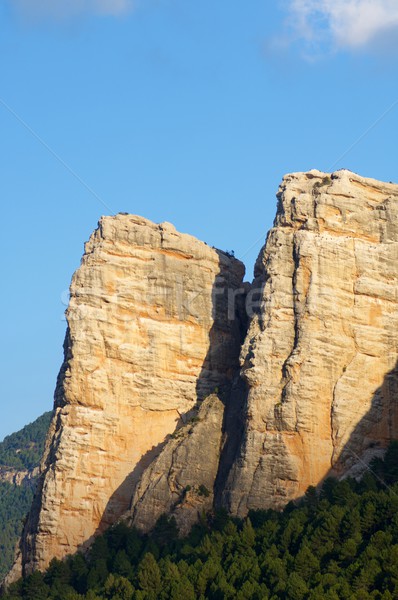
(185, 390)
(20, 455)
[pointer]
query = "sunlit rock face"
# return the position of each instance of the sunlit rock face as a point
(155, 411)
(149, 336)
(320, 356)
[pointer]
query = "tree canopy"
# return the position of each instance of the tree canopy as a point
(19, 451)
(338, 543)
(23, 450)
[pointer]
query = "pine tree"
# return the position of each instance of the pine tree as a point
(149, 576)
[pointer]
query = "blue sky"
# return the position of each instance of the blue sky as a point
(189, 112)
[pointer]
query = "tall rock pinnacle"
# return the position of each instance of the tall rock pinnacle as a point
(149, 336)
(320, 358)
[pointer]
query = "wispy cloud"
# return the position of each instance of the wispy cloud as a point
(342, 24)
(37, 10)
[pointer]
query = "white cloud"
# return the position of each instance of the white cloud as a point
(343, 23)
(66, 9)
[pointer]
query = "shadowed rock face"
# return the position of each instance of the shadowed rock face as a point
(317, 355)
(149, 336)
(180, 482)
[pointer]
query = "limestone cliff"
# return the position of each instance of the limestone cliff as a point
(319, 360)
(320, 356)
(149, 337)
(155, 326)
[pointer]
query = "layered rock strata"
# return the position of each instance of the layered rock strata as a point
(149, 336)
(320, 356)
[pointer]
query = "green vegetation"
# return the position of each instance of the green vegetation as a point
(24, 449)
(316, 190)
(203, 491)
(19, 451)
(15, 502)
(339, 544)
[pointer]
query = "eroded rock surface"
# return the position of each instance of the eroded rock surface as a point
(19, 477)
(180, 482)
(320, 357)
(149, 335)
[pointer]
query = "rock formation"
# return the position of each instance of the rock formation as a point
(149, 336)
(153, 331)
(180, 482)
(320, 357)
(19, 477)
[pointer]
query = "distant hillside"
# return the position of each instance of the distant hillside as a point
(23, 450)
(20, 455)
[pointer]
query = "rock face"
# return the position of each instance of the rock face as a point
(149, 336)
(180, 482)
(153, 331)
(19, 478)
(320, 358)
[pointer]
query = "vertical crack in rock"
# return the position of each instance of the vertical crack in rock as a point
(297, 314)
